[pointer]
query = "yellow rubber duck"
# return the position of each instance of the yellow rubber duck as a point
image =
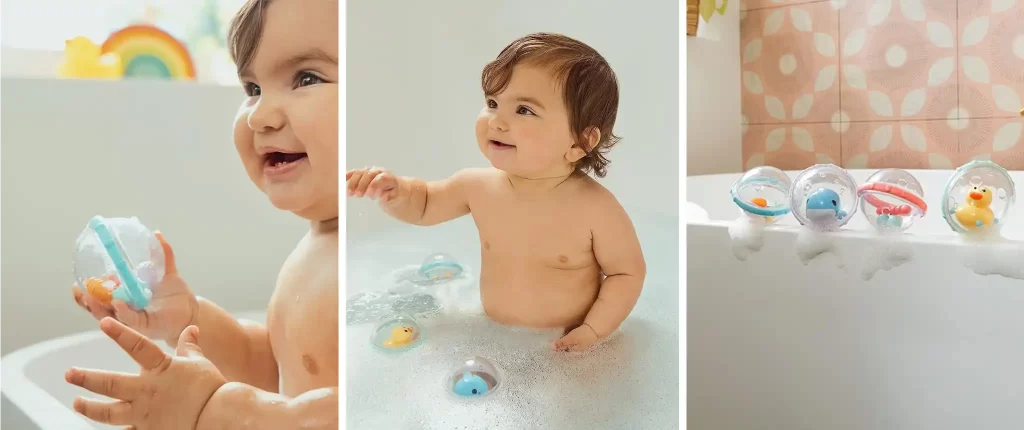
(400, 336)
(976, 213)
(84, 59)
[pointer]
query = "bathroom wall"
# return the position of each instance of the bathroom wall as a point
(883, 83)
(713, 141)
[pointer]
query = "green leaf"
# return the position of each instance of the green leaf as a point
(707, 9)
(721, 10)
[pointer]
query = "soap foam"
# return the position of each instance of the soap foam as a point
(747, 234)
(890, 253)
(811, 244)
(994, 256)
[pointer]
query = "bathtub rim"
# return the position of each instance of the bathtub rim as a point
(37, 404)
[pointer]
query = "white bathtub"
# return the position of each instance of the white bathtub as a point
(33, 377)
(630, 382)
(776, 344)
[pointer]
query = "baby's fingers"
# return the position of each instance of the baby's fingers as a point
(352, 180)
(138, 320)
(364, 182)
(380, 186)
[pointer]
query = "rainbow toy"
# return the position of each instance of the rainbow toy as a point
(149, 52)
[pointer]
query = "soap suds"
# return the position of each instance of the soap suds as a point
(889, 252)
(811, 244)
(747, 234)
(993, 256)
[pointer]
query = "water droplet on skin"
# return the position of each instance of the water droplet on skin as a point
(975, 181)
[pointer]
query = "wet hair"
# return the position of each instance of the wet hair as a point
(245, 32)
(589, 88)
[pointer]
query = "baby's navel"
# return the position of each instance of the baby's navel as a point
(563, 259)
(310, 364)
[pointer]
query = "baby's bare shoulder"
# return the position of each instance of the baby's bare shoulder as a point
(599, 203)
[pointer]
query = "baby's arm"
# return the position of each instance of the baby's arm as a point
(617, 250)
(239, 406)
(240, 350)
(429, 203)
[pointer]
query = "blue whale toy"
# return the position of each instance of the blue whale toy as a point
(824, 204)
(470, 385)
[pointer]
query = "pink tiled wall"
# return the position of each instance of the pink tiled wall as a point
(882, 83)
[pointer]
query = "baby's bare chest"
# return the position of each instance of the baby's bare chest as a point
(303, 317)
(550, 235)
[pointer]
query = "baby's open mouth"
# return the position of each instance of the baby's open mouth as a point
(500, 144)
(279, 159)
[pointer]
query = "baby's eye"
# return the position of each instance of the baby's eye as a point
(523, 110)
(251, 89)
(492, 104)
(305, 79)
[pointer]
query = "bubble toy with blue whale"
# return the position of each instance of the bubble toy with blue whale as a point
(823, 197)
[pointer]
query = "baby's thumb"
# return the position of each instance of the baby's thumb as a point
(137, 320)
(188, 343)
(170, 266)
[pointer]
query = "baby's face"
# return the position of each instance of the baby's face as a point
(524, 130)
(286, 131)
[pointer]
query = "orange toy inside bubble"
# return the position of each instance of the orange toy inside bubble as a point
(96, 288)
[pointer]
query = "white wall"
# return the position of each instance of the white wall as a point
(713, 135)
(414, 93)
(74, 149)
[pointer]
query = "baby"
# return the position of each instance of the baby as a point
(557, 249)
(229, 374)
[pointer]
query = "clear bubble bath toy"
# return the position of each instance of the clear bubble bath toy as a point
(397, 333)
(763, 192)
(978, 197)
(475, 377)
(118, 259)
(439, 267)
(823, 197)
(891, 200)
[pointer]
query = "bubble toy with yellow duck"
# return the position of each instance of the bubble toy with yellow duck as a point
(977, 198)
(137, 51)
(397, 333)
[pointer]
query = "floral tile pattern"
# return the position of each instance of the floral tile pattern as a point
(883, 83)
(761, 4)
(790, 64)
(991, 72)
(997, 139)
(898, 60)
(908, 144)
(793, 146)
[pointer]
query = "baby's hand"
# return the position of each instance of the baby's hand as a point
(169, 393)
(172, 308)
(372, 182)
(579, 339)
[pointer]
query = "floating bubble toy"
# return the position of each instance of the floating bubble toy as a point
(891, 200)
(978, 197)
(823, 197)
(475, 377)
(439, 267)
(397, 333)
(118, 258)
(763, 192)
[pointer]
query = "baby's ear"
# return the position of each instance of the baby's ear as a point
(591, 136)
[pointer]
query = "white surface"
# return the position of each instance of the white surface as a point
(34, 376)
(713, 136)
(629, 382)
(416, 93)
(773, 343)
(74, 149)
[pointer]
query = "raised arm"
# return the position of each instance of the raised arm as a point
(617, 250)
(429, 203)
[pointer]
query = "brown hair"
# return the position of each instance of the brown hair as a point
(245, 32)
(590, 89)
